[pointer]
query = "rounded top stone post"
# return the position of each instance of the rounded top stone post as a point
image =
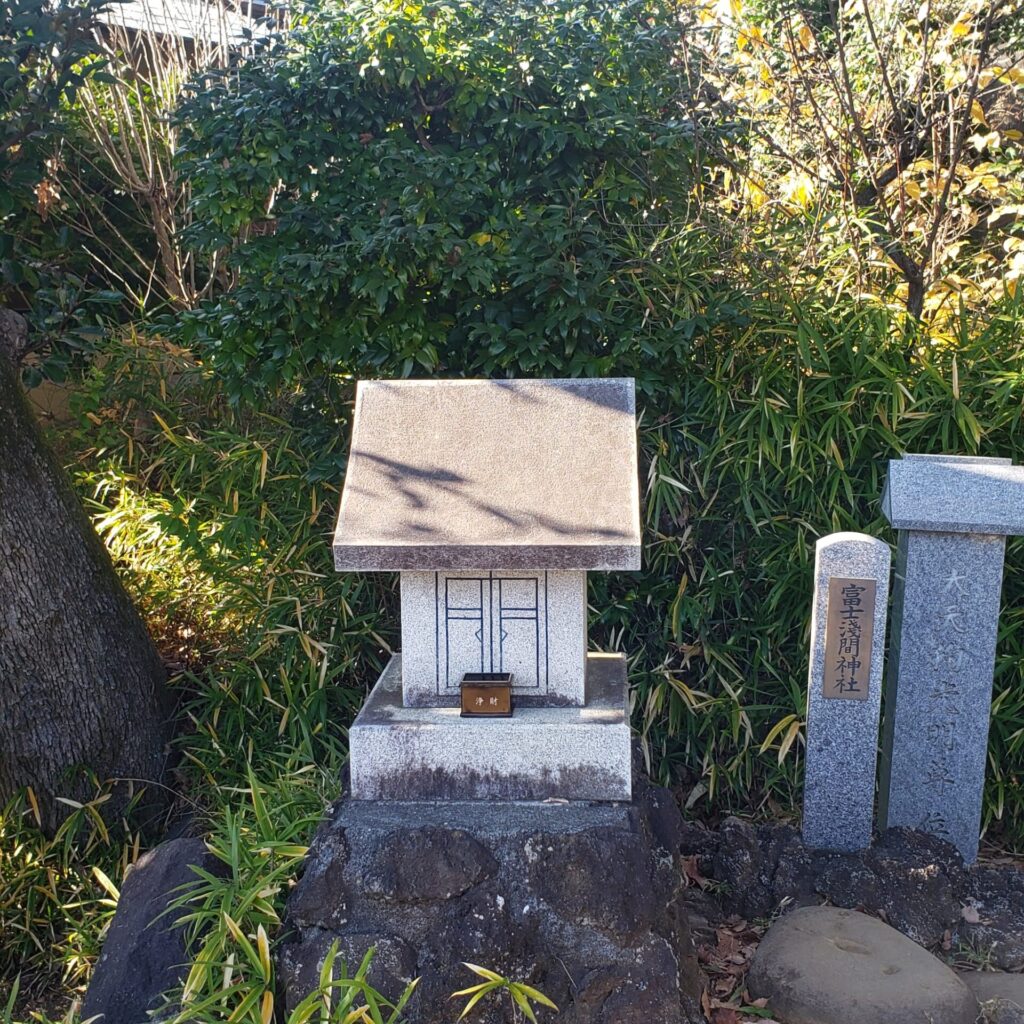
(844, 689)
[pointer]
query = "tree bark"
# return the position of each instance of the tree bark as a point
(81, 685)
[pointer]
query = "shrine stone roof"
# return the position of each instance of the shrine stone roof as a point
(491, 474)
(955, 494)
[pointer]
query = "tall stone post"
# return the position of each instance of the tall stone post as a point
(844, 689)
(953, 515)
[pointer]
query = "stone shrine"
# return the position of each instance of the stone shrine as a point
(953, 514)
(493, 499)
(492, 815)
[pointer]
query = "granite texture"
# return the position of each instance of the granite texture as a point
(502, 474)
(939, 684)
(842, 735)
(955, 494)
(533, 625)
(572, 753)
(583, 901)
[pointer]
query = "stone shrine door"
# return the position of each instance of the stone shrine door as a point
(492, 623)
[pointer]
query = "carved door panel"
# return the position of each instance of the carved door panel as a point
(466, 629)
(492, 624)
(518, 626)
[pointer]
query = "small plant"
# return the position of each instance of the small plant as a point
(347, 1000)
(522, 996)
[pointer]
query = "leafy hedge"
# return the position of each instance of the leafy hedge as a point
(451, 187)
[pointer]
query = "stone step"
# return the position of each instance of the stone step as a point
(568, 753)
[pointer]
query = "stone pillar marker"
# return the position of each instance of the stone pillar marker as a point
(953, 514)
(844, 690)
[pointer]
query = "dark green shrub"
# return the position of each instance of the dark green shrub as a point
(457, 187)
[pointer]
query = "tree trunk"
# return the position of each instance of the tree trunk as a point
(81, 685)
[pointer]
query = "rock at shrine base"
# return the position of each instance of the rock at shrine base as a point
(568, 753)
(579, 900)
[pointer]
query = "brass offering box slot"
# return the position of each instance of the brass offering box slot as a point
(486, 695)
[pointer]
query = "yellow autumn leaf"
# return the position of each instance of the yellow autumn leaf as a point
(263, 948)
(748, 37)
(978, 113)
(961, 27)
(798, 190)
(754, 192)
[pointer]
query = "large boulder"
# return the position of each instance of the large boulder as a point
(823, 965)
(581, 901)
(145, 951)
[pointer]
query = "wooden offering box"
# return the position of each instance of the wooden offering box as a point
(486, 695)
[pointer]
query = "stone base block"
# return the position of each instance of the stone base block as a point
(582, 901)
(569, 753)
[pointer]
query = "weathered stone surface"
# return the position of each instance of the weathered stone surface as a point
(581, 900)
(429, 753)
(533, 625)
(325, 862)
(997, 894)
(491, 474)
(842, 732)
(144, 952)
(570, 872)
(392, 968)
(821, 965)
(915, 880)
(954, 494)
(989, 985)
(1001, 1011)
(428, 864)
(935, 737)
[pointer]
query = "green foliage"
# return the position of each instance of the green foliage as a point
(47, 54)
(780, 435)
(219, 523)
(233, 975)
(54, 896)
(450, 187)
(222, 538)
(46, 48)
(489, 189)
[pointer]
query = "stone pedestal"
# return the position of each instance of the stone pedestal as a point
(579, 900)
(540, 753)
